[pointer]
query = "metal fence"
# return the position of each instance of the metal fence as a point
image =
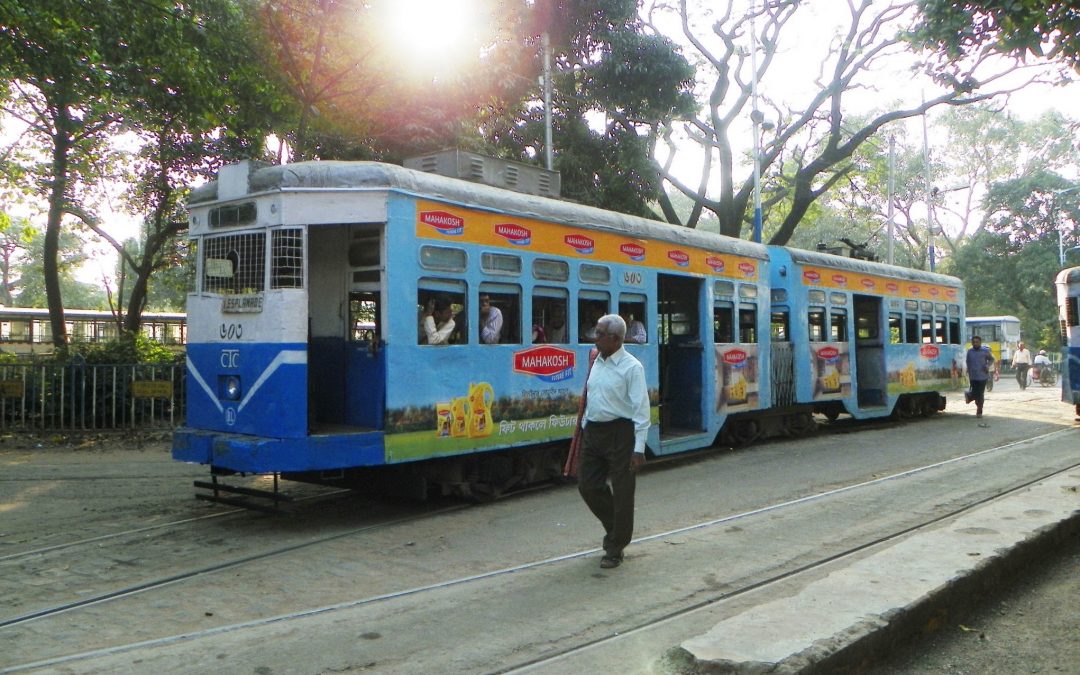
(91, 397)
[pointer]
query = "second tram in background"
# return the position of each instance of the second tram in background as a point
(27, 330)
(305, 358)
(1000, 333)
(1068, 298)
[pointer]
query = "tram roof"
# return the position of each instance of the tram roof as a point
(989, 319)
(869, 267)
(1069, 276)
(331, 175)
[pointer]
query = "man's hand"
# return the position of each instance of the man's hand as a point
(637, 460)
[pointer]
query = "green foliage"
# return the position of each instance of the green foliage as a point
(1047, 29)
(136, 348)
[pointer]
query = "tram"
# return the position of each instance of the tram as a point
(1067, 284)
(27, 330)
(1000, 333)
(742, 339)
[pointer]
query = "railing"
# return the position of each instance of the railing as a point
(91, 397)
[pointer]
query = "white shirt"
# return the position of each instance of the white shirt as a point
(1022, 356)
(491, 328)
(635, 332)
(1042, 360)
(617, 390)
(440, 335)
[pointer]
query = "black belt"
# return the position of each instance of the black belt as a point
(617, 420)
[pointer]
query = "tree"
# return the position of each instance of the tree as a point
(83, 72)
(610, 65)
(1046, 29)
(806, 149)
(1009, 267)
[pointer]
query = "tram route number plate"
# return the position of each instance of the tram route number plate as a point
(11, 388)
(152, 388)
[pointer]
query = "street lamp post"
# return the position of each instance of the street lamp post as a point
(755, 117)
(1061, 236)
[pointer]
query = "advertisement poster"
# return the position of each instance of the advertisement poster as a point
(915, 368)
(830, 370)
(737, 381)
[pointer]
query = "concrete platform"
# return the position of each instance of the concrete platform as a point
(842, 620)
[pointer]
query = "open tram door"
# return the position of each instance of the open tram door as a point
(681, 355)
(346, 365)
(871, 382)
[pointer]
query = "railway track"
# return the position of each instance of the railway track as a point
(439, 584)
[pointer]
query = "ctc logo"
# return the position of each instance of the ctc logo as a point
(230, 358)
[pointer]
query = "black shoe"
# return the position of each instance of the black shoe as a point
(610, 561)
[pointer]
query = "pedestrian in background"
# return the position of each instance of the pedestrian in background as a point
(1021, 360)
(615, 424)
(979, 360)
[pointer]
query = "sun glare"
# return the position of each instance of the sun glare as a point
(435, 37)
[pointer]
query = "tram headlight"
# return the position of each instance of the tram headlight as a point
(229, 388)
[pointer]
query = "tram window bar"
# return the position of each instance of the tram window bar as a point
(287, 258)
(911, 305)
(594, 274)
(940, 336)
(816, 296)
(778, 295)
(747, 292)
(927, 330)
(724, 289)
(551, 270)
(235, 263)
(911, 329)
(838, 298)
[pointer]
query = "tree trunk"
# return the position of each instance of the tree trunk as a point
(61, 146)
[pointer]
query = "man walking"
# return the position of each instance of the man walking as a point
(1021, 360)
(979, 361)
(615, 424)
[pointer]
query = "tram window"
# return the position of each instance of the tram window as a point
(724, 323)
(896, 329)
(594, 274)
(452, 295)
(363, 317)
(500, 263)
(506, 300)
(748, 324)
(234, 263)
(911, 306)
(549, 324)
(364, 250)
(1072, 311)
(778, 295)
(632, 310)
(954, 310)
(939, 308)
(442, 258)
(551, 270)
(927, 330)
(287, 258)
(866, 327)
(927, 307)
(911, 329)
(955, 337)
(838, 325)
(724, 289)
(747, 291)
(590, 309)
(838, 298)
(940, 336)
(779, 330)
(816, 296)
(816, 324)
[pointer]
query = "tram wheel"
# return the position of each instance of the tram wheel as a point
(801, 425)
(744, 432)
(832, 414)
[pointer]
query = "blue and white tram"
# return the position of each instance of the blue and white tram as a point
(742, 339)
(1068, 298)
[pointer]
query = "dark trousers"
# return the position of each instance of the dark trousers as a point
(605, 456)
(978, 391)
(1022, 374)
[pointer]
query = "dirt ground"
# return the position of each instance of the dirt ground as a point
(1032, 626)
